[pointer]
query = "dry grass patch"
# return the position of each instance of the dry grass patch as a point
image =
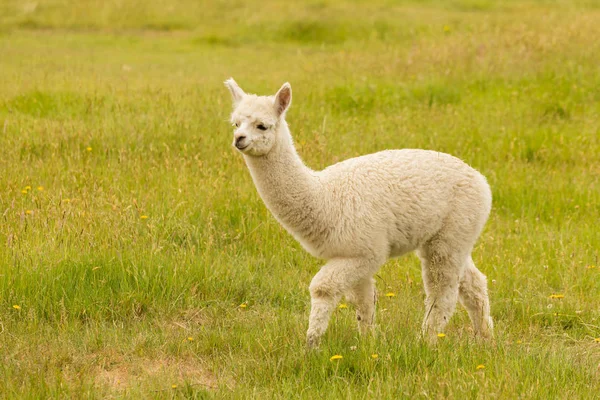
(156, 374)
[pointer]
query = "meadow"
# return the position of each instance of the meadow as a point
(138, 261)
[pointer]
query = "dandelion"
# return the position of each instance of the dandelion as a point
(40, 188)
(24, 191)
(597, 340)
(557, 296)
(88, 148)
(374, 356)
(16, 307)
(144, 217)
(174, 386)
(446, 28)
(480, 366)
(191, 339)
(390, 294)
(335, 357)
(591, 267)
(243, 305)
(27, 187)
(519, 341)
(343, 306)
(441, 335)
(28, 212)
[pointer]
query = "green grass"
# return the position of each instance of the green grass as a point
(117, 111)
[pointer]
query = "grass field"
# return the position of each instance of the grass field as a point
(138, 261)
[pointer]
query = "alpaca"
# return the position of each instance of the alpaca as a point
(360, 212)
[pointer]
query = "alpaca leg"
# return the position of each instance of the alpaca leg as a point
(441, 277)
(473, 295)
(336, 277)
(364, 297)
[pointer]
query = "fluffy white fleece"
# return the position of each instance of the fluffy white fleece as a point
(358, 213)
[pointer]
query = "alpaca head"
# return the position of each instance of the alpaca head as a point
(257, 119)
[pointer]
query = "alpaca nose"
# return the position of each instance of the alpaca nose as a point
(238, 142)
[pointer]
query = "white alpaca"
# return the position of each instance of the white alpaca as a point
(360, 212)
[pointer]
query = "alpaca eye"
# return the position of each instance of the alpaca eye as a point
(261, 127)
(236, 124)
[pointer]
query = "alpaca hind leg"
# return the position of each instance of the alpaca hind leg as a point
(336, 277)
(364, 297)
(441, 277)
(473, 295)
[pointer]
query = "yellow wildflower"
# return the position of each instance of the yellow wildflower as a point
(28, 212)
(174, 386)
(66, 200)
(144, 217)
(191, 339)
(597, 340)
(519, 341)
(557, 296)
(441, 335)
(16, 307)
(88, 148)
(342, 306)
(480, 366)
(243, 305)
(390, 294)
(374, 356)
(40, 188)
(446, 28)
(335, 357)
(27, 187)
(24, 191)
(591, 267)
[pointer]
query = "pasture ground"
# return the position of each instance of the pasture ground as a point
(137, 260)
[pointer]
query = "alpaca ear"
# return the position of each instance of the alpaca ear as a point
(283, 98)
(237, 94)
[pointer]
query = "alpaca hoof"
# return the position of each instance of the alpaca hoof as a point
(313, 342)
(430, 338)
(486, 332)
(365, 330)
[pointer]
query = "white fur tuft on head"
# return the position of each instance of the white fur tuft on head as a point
(237, 94)
(283, 98)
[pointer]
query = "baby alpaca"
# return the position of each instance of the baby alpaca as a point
(358, 213)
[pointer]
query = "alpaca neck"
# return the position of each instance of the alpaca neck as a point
(286, 185)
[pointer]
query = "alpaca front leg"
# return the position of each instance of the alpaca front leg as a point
(364, 298)
(336, 277)
(321, 308)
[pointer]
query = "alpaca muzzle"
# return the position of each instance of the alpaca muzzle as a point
(239, 143)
